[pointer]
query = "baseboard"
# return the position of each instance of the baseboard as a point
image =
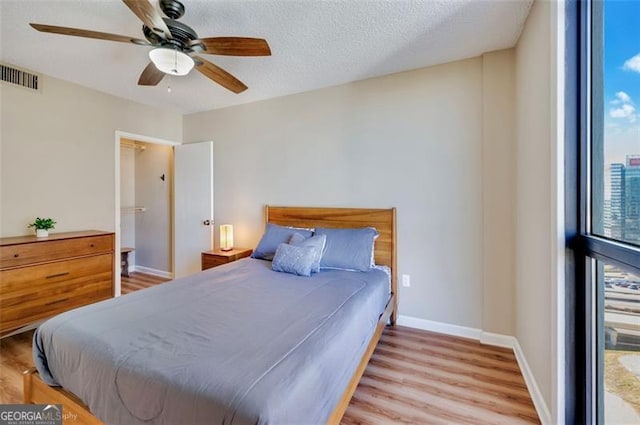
(488, 338)
(154, 272)
(443, 328)
(498, 340)
(534, 390)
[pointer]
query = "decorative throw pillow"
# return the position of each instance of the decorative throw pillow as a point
(294, 259)
(317, 242)
(273, 236)
(348, 249)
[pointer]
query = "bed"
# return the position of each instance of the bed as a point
(154, 362)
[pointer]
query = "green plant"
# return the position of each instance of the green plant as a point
(43, 223)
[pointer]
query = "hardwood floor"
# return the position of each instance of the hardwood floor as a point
(137, 281)
(414, 377)
(15, 357)
(419, 377)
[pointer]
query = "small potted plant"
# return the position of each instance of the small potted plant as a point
(42, 226)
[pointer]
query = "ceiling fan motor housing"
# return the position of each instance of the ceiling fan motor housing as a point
(151, 36)
(181, 34)
(172, 8)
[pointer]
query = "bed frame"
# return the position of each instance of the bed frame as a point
(384, 220)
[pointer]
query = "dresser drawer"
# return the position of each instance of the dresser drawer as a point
(38, 292)
(38, 252)
(43, 276)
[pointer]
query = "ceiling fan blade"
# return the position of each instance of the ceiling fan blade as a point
(235, 46)
(219, 75)
(148, 15)
(77, 32)
(151, 76)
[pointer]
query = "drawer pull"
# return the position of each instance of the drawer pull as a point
(16, 255)
(91, 245)
(57, 275)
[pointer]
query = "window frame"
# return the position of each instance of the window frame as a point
(584, 326)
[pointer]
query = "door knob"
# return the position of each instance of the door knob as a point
(208, 222)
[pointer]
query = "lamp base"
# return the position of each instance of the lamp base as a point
(226, 249)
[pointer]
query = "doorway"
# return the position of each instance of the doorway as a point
(143, 206)
(189, 181)
(146, 181)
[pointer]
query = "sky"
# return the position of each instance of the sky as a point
(621, 79)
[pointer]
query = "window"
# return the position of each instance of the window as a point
(620, 361)
(615, 141)
(603, 211)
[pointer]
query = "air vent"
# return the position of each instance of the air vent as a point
(19, 77)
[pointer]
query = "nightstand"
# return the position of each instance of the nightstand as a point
(217, 257)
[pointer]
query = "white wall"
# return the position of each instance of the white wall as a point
(153, 227)
(412, 140)
(58, 153)
(498, 175)
(539, 179)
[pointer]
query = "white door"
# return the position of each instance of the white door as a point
(193, 204)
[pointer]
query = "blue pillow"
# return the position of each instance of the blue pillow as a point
(348, 249)
(273, 236)
(317, 242)
(294, 259)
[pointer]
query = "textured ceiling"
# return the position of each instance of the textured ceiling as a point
(314, 43)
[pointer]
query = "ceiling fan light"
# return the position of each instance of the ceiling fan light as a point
(171, 61)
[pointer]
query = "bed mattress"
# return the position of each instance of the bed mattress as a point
(236, 344)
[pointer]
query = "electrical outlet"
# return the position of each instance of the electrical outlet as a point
(406, 280)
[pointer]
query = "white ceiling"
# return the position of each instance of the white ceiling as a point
(314, 43)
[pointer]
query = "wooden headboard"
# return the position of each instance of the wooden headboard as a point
(384, 220)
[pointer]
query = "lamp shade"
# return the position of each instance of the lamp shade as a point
(226, 237)
(171, 61)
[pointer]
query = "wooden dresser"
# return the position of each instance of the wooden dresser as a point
(41, 277)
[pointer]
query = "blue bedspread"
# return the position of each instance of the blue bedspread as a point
(236, 344)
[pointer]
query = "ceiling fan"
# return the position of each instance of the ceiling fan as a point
(176, 45)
